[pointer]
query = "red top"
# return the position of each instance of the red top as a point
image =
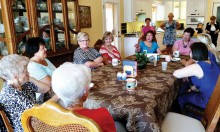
(110, 55)
(101, 116)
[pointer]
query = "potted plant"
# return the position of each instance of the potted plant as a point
(142, 60)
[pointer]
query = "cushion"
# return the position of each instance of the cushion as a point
(174, 122)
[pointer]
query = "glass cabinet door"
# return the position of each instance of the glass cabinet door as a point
(3, 46)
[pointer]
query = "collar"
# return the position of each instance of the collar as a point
(210, 23)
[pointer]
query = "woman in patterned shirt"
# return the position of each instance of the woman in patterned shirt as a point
(18, 92)
(108, 50)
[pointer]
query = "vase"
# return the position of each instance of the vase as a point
(141, 66)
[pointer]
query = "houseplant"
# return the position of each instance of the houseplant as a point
(142, 60)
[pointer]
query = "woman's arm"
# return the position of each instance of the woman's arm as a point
(159, 51)
(92, 64)
(105, 60)
(46, 80)
(162, 26)
(42, 87)
(99, 59)
(188, 71)
(186, 63)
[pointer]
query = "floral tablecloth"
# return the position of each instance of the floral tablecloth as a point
(143, 109)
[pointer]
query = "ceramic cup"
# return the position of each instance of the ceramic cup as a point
(131, 83)
(115, 62)
(176, 54)
(168, 58)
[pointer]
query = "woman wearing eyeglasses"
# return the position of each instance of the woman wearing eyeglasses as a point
(183, 45)
(86, 55)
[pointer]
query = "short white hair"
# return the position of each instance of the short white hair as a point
(82, 35)
(12, 65)
(70, 82)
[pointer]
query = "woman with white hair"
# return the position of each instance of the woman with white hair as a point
(71, 82)
(18, 92)
(86, 55)
(214, 55)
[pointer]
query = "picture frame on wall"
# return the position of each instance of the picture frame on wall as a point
(85, 17)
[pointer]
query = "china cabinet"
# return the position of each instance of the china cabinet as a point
(58, 19)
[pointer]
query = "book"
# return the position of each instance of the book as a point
(130, 68)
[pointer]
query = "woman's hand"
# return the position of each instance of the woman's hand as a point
(216, 32)
(137, 47)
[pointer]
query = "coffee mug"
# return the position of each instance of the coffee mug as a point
(131, 84)
(176, 53)
(115, 62)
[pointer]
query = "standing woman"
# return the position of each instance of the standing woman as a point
(212, 28)
(108, 50)
(147, 27)
(169, 27)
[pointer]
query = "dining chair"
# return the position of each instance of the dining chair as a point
(50, 117)
(5, 120)
(174, 122)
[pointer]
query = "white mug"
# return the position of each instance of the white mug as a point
(131, 83)
(115, 62)
(176, 53)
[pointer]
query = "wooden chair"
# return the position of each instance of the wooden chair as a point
(5, 120)
(50, 117)
(98, 44)
(174, 122)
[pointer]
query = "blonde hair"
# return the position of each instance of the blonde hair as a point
(207, 40)
(107, 34)
(81, 35)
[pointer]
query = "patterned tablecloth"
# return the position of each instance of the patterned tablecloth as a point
(143, 109)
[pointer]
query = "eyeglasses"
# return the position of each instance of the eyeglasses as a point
(84, 40)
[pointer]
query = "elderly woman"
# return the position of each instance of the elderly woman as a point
(213, 55)
(86, 55)
(71, 82)
(203, 75)
(169, 27)
(183, 45)
(148, 43)
(212, 28)
(108, 50)
(39, 66)
(18, 92)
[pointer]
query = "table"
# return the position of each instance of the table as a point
(143, 109)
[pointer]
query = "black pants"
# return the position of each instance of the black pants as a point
(214, 37)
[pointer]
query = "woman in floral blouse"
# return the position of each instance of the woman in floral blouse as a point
(18, 92)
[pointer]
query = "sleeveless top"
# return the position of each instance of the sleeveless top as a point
(207, 83)
(170, 33)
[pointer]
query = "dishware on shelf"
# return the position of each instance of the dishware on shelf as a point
(164, 66)
(131, 83)
(2, 29)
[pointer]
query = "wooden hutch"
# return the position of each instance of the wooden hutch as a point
(23, 19)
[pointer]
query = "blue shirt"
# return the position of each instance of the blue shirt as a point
(152, 49)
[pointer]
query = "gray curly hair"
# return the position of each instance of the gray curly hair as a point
(12, 65)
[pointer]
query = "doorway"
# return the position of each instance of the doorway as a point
(111, 20)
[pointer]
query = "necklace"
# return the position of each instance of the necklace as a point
(185, 46)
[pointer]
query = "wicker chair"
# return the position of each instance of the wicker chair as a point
(176, 122)
(51, 117)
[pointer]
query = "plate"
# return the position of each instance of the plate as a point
(175, 59)
(163, 56)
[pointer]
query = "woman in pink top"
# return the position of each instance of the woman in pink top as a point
(146, 28)
(108, 50)
(183, 45)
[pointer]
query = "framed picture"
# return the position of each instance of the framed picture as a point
(85, 17)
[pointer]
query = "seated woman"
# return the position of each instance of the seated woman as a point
(86, 55)
(203, 75)
(18, 92)
(183, 45)
(214, 55)
(39, 66)
(148, 44)
(107, 50)
(71, 82)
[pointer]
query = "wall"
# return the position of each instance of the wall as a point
(96, 31)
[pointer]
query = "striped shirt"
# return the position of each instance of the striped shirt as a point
(110, 54)
(80, 56)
